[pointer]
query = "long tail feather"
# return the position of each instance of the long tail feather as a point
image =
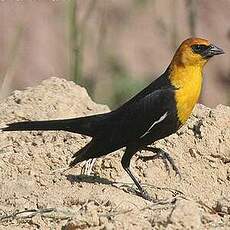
(81, 155)
(82, 125)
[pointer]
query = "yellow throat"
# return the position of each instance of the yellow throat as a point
(188, 81)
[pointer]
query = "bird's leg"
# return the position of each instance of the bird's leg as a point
(142, 192)
(163, 155)
(125, 161)
(87, 168)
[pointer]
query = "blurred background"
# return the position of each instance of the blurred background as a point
(112, 47)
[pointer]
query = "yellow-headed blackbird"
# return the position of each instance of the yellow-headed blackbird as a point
(154, 113)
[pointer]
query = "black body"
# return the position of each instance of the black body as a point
(147, 117)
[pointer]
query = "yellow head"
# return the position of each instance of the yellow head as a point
(186, 73)
(195, 52)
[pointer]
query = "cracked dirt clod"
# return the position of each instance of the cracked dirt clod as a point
(32, 175)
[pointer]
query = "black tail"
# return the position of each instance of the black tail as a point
(94, 149)
(81, 125)
(81, 155)
(34, 125)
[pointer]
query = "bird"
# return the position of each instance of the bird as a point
(154, 113)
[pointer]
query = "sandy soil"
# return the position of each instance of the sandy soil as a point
(32, 180)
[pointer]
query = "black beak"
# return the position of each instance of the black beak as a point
(212, 51)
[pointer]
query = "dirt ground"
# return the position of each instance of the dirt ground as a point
(35, 192)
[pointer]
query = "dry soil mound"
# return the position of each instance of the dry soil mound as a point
(31, 178)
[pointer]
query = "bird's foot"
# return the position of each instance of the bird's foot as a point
(144, 194)
(141, 193)
(156, 201)
(167, 159)
(87, 168)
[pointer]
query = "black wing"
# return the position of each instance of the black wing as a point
(148, 119)
(130, 123)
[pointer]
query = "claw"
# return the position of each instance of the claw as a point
(146, 196)
(166, 164)
(167, 159)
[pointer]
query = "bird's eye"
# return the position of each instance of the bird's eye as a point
(199, 48)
